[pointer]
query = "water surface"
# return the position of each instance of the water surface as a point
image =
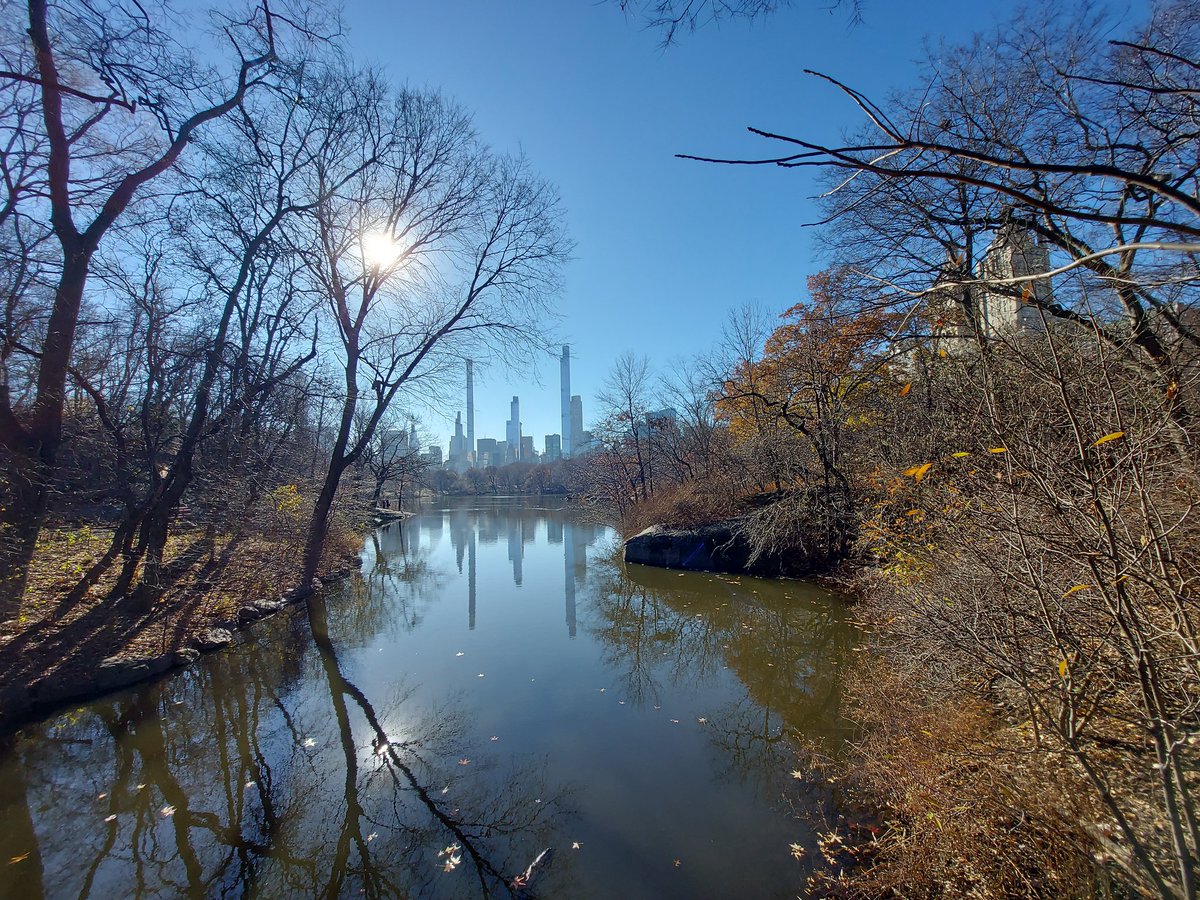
(493, 684)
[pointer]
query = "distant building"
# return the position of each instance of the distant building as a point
(458, 445)
(527, 454)
(486, 450)
(565, 399)
(512, 433)
(553, 448)
(501, 456)
(1006, 308)
(576, 422)
(434, 454)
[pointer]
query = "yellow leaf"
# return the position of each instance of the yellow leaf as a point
(1116, 435)
(913, 512)
(960, 454)
(904, 390)
(918, 472)
(1078, 587)
(16, 859)
(942, 354)
(1062, 668)
(997, 449)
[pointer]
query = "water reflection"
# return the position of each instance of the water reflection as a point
(400, 748)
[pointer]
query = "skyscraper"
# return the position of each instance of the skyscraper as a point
(576, 423)
(470, 412)
(512, 433)
(458, 444)
(553, 447)
(565, 399)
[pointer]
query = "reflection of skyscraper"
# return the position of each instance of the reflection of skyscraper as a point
(516, 548)
(569, 570)
(565, 399)
(471, 578)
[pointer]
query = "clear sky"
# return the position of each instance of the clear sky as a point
(665, 247)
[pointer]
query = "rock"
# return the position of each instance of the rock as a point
(266, 607)
(15, 700)
(212, 639)
(711, 548)
(187, 656)
(114, 672)
(249, 613)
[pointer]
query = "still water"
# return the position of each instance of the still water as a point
(494, 683)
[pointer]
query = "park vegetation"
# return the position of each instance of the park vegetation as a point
(233, 267)
(1014, 504)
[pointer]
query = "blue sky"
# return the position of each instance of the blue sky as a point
(664, 247)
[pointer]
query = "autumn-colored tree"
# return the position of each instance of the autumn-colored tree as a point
(802, 403)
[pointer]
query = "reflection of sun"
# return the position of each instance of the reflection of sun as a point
(380, 249)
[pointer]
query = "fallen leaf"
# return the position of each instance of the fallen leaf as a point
(494, 737)
(309, 742)
(796, 773)
(460, 653)
(918, 472)
(1079, 587)
(372, 836)
(111, 818)
(167, 811)
(997, 449)
(16, 859)
(678, 863)
(101, 796)
(904, 390)
(702, 720)
(960, 454)
(1116, 435)
(575, 845)
(797, 851)
(1062, 668)
(464, 762)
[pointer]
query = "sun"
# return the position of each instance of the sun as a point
(380, 250)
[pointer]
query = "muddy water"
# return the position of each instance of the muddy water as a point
(494, 684)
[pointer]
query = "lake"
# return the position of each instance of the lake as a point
(493, 683)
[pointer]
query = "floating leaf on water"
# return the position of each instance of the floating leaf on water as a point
(167, 811)
(494, 737)
(575, 845)
(677, 863)
(796, 773)
(702, 720)
(464, 761)
(13, 860)
(111, 818)
(101, 796)
(372, 836)
(797, 851)
(460, 653)
(309, 742)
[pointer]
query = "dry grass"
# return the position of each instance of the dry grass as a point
(58, 640)
(967, 808)
(688, 505)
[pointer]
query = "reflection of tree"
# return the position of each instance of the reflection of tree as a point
(785, 645)
(269, 772)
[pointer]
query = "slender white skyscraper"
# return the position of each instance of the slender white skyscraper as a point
(513, 433)
(470, 413)
(568, 439)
